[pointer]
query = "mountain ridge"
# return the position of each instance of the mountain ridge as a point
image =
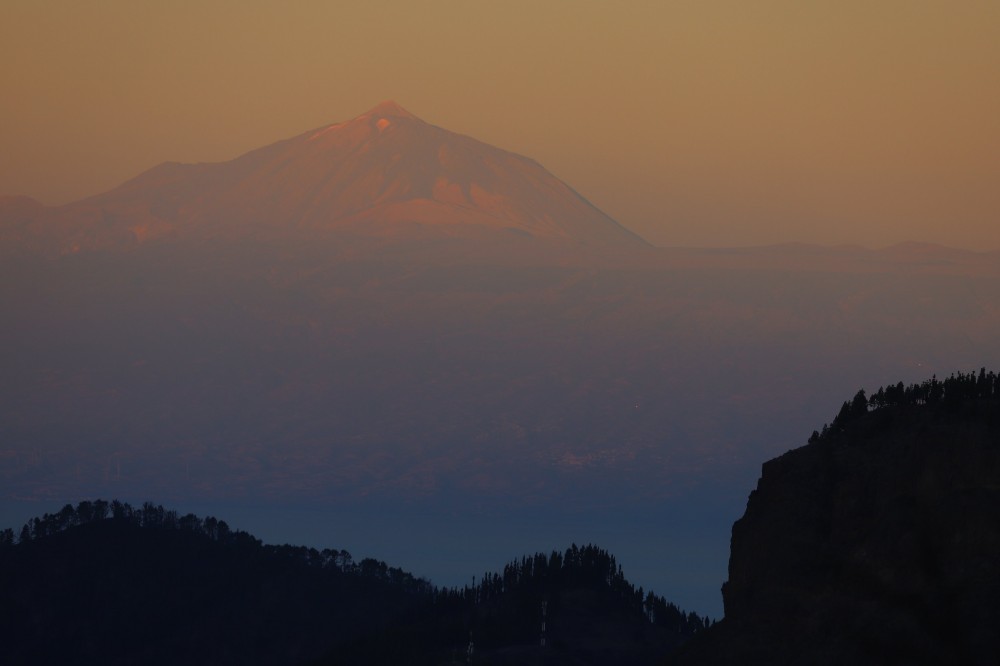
(384, 173)
(124, 585)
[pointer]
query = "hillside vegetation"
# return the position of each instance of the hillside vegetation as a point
(877, 542)
(125, 585)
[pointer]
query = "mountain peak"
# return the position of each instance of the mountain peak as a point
(390, 109)
(385, 173)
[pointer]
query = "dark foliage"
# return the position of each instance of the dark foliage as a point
(956, 389)
(874, 544)
(591, 615)
(122, 585)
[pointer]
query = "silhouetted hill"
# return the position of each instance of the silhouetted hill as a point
(591, 615)
(877, 542)
(151, 587)
(118, 585)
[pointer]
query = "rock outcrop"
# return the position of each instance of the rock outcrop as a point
(876, 544)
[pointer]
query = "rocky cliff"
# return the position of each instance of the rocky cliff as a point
(879, 542)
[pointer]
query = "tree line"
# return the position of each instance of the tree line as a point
(957, 389)
(156, 517)
(587, 566)
(591, 567)
(371, 612)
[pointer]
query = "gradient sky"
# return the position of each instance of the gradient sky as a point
(712, 123)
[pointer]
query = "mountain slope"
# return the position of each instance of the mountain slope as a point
(119, 585)
(385, 173)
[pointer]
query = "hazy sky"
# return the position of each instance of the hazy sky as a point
(693, 123)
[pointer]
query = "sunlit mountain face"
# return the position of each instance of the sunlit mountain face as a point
(385, 174)
(383, 335)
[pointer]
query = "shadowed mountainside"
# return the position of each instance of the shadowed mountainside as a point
(877, 542)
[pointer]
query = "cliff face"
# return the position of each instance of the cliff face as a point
(880, 544)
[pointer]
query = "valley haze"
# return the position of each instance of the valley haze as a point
(384, 336)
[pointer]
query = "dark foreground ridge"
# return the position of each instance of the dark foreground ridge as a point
(107, 583)
(877, 543)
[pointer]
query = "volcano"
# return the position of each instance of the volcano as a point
(384, 174)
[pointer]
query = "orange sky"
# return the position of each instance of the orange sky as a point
(691, 122)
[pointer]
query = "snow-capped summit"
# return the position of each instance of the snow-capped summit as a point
(389, 109)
